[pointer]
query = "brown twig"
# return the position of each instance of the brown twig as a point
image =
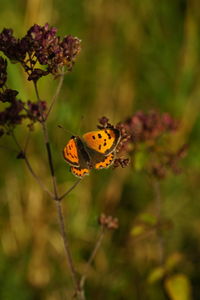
(30, 167)
(92, 256)
(55, 95)
(73, 273)
(66, 242)
(70, 189)
(48, 147)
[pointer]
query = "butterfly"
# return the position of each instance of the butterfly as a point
(95, 150)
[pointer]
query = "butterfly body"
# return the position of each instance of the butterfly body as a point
(95, 150)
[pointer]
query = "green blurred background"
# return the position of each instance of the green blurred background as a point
(136, 55)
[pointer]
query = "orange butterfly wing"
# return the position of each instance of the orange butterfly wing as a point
(78, 172)
(96, 151)
(70, 153)
(103, 141)
(106, 163)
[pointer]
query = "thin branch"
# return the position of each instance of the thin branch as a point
(66, 243)
(48, 147)
(79, 292)
(36, 177)
(39, 100)
(92, 256)
(70, 189)
(55, 97)
(50, 160)
(30, 167)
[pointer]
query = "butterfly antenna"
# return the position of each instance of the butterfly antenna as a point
(68, 131)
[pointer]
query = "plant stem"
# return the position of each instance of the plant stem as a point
(70, 189)
(30, 167)
(66, 242)
(36, 177)
(61, 79)
(50, 160)
(73, 273)
(48, 147)
(92, 256)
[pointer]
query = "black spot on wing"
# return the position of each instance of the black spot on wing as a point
(108, 134)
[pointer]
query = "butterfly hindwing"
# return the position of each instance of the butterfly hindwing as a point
(103, 141)
(106, 162)
(79, 172)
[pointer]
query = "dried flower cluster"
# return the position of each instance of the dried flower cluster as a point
(13, 113)
(162, 162)
(148, 126)
(40, 47)
(150, 130)
(121, 162)
(108, 222)
(40, 52)
(16, 111)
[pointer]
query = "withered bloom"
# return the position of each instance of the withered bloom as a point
(108, 222)
(40, 44)
(40, 52)
(147, 132)
(150, 129)
(13, 48)
(13, 114)
(34, 110)
(148, 126)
